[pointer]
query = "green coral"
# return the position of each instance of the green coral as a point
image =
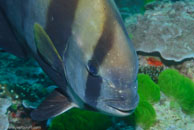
(147, 89)
(145, 114)
(178, 87)
(77, 119)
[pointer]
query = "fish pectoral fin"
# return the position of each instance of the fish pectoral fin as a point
(46, 48)
(55, 104)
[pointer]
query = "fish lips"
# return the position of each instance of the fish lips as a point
(125, 107)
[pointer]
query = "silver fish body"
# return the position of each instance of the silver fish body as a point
(95, 56)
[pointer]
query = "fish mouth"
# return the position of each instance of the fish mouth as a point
(122, 110)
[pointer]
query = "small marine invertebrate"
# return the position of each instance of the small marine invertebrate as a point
(179, 88)
(147, 89)
(145, 114)
(154, 62)
(77, 119)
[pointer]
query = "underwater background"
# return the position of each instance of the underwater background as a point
(162, 32)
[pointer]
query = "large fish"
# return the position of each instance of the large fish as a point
(82, 45)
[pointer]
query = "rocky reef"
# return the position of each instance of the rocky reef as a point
(165, 27)
(4, 104)
(23, 85)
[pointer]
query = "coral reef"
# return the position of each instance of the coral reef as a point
(4, 123)
(187, 69)
(23, 79)
(4, 104)
(178, 87)
(150, 67)
(27, 85)
(167, 29)
(153, 72)
(130, 7)
(171, 117)
(121, 125)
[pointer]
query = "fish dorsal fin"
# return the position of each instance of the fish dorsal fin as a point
(46, 48)
(55, 104)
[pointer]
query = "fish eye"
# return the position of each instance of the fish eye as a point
(92, 67)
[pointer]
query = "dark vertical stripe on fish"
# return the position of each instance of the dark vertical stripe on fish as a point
(105, 43)
(60, 18)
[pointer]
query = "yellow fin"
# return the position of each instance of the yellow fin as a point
(46, 47)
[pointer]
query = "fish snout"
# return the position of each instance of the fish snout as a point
(121, 98)
(123, 105)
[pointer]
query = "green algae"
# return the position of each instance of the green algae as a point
(77, 119)
(149, 93)
(147, 89)
(179, 88)
(145, 115)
